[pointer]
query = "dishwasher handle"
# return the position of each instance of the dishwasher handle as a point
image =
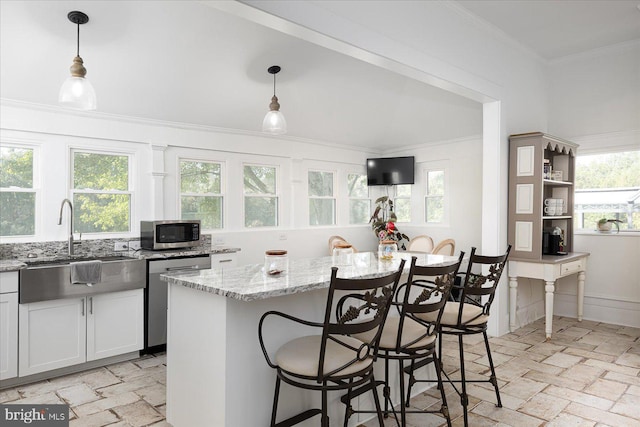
(191, 267)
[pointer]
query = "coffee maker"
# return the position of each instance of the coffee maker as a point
(552, 241)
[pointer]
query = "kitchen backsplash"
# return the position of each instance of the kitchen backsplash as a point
(94, 247)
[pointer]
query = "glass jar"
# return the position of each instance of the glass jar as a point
(342, 254)
(387, 249)
(276, 262)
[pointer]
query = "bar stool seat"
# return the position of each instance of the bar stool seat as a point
(413, 335)
(300, 356)
(471, 315)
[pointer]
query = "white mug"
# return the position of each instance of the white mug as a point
(550, 210)
(551, 202)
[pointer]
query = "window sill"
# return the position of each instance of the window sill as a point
(634, 233)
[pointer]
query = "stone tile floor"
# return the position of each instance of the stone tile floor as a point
(588, 374)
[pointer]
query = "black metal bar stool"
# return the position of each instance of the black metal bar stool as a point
(334, 359)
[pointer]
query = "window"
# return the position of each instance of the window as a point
(260, 196)
(101, 192)
(201, 192)
(359, 202)
(607, 186)
(434, 199)
(402, 203)
(322, 204)
(17, 192)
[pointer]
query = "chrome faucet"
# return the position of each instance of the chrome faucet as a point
(67, 201)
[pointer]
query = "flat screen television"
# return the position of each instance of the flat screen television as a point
(390, 171)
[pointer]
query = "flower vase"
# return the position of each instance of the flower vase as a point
(387, 249)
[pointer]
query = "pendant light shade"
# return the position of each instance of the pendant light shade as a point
(77, 92)
(274, 122)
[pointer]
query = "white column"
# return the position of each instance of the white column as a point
(548, 307)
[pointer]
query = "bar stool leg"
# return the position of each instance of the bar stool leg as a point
(403, 413)
(274, 410)
(493, 378)
(325, 417)
(444, 408)
(464, 400)
(376, 400)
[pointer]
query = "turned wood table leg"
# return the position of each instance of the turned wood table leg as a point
(548, 307)
(513, 298)
(581, 277)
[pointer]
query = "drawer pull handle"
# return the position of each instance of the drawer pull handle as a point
(225, 260)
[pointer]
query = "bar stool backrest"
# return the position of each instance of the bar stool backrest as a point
(481, 279)
(361, 305)
(423, 298)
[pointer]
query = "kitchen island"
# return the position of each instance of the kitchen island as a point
(216, 372)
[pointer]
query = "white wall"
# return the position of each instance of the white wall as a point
(157, 147)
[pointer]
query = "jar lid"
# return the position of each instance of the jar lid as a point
(388, 242)
(343, 245)
(276, 252)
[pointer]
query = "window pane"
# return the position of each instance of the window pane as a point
(321, 211)
(403, 191)
(200, 177)
(260, 211)
(205, 208)
(17, 214)
(359, 211)
(435, 209)
(100, 172)
(608, 186)
(435, 183)
(320, 184)
(101, 213)
(403, 210)
(259, 180)
(357, 185)
(16, 167)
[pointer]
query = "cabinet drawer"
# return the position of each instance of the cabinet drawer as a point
(8, 282)
(224, 260)
(571, 267)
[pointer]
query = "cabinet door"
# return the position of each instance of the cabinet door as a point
(8, 335)
(115, 324)
(52, 335)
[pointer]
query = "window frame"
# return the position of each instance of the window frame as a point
(407, 198)
(332, 197)
(222, 194)
(276, 195)
(35, 189)
(445, 196)
(577, 225)
(349, 198)
(131, 170)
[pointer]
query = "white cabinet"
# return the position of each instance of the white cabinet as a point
(65, 332)
(8, 325)
(115, 324)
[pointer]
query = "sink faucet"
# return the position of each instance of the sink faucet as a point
(67, 201)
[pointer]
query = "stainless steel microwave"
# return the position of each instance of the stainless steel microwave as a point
(174, 234)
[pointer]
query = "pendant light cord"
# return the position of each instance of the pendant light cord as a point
(78, 41)
(274, 84)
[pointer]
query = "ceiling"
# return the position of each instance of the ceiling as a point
(558, 28)
(186, 62)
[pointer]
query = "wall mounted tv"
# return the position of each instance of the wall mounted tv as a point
(390, 171)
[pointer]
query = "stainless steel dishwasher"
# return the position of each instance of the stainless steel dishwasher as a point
(156, 301)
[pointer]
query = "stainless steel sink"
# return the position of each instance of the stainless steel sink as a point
(47, 262)
(45, 280)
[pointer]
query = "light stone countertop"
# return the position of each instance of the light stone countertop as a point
(20, 263)
(248, 283)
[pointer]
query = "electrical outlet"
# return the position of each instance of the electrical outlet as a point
(283, 236)
(134, 245)
(120, 246)
(218, 241)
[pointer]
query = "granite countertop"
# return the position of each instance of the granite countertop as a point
(20, 263)
(248, 283)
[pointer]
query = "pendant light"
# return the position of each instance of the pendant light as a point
(274, 122)
(77, 92)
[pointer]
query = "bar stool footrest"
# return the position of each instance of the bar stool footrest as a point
(357, 392)
(297, 419)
